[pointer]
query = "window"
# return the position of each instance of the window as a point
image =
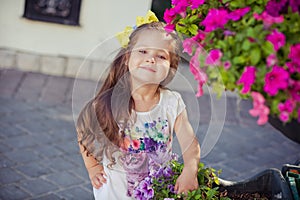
(56, 11)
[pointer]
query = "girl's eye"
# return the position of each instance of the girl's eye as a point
(162, 57)
(143, 51)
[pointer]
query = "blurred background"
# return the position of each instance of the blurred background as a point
(54, 36)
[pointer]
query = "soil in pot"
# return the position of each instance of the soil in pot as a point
(246, 195)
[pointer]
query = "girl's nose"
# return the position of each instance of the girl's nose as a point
(151, 59)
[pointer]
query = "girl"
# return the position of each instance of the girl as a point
(128, 126)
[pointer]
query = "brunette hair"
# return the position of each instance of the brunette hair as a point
(102, 120)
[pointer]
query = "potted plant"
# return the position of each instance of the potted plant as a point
(251, 47)
(268, 184)
(160, 182)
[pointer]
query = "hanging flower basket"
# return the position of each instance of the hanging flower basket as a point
(290, 129)
(251, 47)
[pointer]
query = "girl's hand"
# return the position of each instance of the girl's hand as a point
(96, 174)
(187, 181)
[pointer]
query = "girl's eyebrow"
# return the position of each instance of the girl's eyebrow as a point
(148, 47)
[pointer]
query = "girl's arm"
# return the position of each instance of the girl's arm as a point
(190, 148)
(95, 170)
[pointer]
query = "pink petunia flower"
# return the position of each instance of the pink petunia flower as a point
(199, 75)
(277, 39)
(275, 80)
(285, 110)
(180, 7)
(169, 15)
(267, 19)
(295, 5)
(295, 90)
(214, 57)
(259, 108)
(238, 13)
(188, 45)
(196, 3)
(293, 67)
(227, 64)
(294, 54)
(247, 78)
(271, 60)
(170, 28)
(200, 36)
(216, 18)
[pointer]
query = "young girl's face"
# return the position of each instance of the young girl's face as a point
(149, 61)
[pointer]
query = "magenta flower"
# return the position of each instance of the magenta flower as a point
(238, 13)
(214, 57)
(169, 15)
(216, 18)
(295, 90)
(227, 64)
(188, 45)
(275, 7)
(285, 110)
(268, 20)
(295, 53)
(169, 28)
(275, 80)
(259, 109)
(196, 3)
(295, 4)
(271, 60)
(293, 67)
(180, 7)
(200, 36)
(277, 39)
(199, 75)
(247, 78)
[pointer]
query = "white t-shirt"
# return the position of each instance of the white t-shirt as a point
(149, 141)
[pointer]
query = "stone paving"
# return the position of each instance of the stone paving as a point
(39, 155)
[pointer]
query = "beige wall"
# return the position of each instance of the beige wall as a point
(99, 19)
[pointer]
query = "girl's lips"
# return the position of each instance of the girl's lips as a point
(148, 68)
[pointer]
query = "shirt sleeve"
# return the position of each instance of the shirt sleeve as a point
(180, 103)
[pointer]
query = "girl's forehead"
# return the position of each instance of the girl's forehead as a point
(155, 39)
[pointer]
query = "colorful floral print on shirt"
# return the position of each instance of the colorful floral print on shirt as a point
(151, 137)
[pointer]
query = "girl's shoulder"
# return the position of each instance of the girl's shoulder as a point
(170, 94)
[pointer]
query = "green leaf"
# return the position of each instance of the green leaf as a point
(239, 60)
(198, 196)
(268, 48)
(237, 3)
(250, 32)
(249, 2)
(258, 9)
(193, 29)
(246, 45)
(193, 18)
(255, 56)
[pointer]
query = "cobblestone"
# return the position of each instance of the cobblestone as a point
(39, 155)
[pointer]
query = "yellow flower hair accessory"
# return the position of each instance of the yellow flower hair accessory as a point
(123, 36)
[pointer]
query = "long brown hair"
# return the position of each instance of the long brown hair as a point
(101, 120)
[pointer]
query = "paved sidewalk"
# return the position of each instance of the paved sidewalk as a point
(39, 156)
